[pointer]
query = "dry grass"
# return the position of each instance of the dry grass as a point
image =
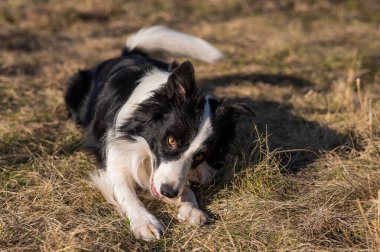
(305, 174)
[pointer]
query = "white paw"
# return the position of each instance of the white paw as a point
(147, 227)
(196, 217)
(202, 175)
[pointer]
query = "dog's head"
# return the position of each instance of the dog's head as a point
(183, 128)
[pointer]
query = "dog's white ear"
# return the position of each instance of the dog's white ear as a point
(181, 82)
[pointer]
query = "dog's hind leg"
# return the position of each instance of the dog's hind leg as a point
(188, 210)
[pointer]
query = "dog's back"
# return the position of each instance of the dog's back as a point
(114, 80)
(85, 86)
(154, 46)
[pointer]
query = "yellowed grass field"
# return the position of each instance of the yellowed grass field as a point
(304, 174)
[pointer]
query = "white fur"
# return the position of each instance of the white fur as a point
(125, 158)
(190, 213)
(151, 82)
(164, 44)
(135, 156)
(175, 172)
(102, 182)
(118, 182)
(205, 129)
(188, 208)
(202, 174)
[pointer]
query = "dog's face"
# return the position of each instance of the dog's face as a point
(182, 127)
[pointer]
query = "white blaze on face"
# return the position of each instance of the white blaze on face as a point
(174, 173)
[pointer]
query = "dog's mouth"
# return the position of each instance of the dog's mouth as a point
(154, 191)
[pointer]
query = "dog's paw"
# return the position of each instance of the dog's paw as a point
(194, 216)
(202, 174)
(147, 227)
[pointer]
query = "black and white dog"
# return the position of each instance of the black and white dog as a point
(150, 127)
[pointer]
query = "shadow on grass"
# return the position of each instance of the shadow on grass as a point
(305, 140)
(299, 142)
(25, 41)
(19, 69)
(20, 40)
(52, 139)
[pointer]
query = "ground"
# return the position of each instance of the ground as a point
(303, 174)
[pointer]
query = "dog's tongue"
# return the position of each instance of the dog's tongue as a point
(154, 189)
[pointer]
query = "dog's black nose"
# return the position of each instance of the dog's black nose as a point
(168, 191)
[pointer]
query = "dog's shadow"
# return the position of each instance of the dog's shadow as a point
(304, 139)
(301, 141)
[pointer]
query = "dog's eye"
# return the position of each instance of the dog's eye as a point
(172, 142)
(199, 157)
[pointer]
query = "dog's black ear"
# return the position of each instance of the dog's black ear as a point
(214, 102)
(181, 82)
(228, 111)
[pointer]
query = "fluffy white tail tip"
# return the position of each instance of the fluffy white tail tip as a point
(165, 44)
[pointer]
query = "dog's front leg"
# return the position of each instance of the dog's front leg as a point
(143, 224)
(119, 187)
(202, 174)
(188, 208)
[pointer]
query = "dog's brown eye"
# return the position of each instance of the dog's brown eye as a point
(172, 142)
(199, 157)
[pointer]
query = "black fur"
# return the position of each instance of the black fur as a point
(94, 97)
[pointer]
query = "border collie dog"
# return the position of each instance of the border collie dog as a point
(151, 128)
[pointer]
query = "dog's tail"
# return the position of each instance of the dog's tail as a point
(162, 43)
